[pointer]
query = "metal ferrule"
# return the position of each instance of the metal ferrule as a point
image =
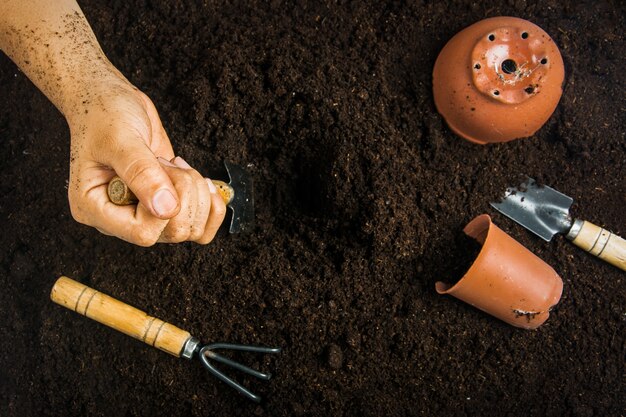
(189, 348)
(575, 229)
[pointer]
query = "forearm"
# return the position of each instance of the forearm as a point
(51, 41)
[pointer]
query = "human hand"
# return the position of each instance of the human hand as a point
(118, 131)
(114, 127)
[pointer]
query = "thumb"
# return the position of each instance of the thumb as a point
(143, 172)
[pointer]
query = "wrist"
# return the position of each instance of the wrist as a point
(81, 92)
(110, 106)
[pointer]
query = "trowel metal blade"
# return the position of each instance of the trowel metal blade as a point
(242, 204)
(542, 210)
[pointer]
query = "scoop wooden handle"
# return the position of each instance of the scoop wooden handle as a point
(120, 194)
(119, 316)
(599, 242)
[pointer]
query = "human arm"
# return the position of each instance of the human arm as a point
(115, 129)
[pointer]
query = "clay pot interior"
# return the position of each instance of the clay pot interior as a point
(506, 280)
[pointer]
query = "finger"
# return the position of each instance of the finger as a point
(138, 167)
(181, 163)
(134, 224)
(203, 205)
(216, 215)
(103, 232)
(179, 227)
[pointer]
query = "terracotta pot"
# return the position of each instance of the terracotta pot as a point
(498, 80)
(506, 280)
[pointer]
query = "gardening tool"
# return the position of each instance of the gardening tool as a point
(153, 331)
(238, 194)
(545, 212)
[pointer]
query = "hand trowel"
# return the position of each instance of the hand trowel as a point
(545, 212)
(238, 194)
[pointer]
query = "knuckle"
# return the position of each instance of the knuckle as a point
(78, 213)
(184, 181)
(176, 232)
(144, 236)
(138, 169)
(220, 210)
(77, 210)
(141, 172)
(145, 99)
(197, 177)
(197, 231)
(204, 240)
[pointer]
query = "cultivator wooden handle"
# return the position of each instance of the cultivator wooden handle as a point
(169, 338)
(120, 194)
(119, 316)
(599, 242)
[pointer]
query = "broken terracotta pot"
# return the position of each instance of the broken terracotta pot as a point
(506, 280)
(497, 80)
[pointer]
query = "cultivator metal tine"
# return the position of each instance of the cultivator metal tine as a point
(207, 353)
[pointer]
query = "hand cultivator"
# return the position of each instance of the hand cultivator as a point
(152, 331)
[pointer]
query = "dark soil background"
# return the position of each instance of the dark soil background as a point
(361, 193)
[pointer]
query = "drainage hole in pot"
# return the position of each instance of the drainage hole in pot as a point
(524, 35)
(496, 93)
(492, 37)
(544, 61)
(529, 90)
(477, 66)
(509, 66)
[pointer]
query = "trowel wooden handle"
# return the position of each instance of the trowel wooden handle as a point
(599, 242)
(120, 194)
(119, 316)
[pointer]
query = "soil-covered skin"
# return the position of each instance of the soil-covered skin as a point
(361, 189)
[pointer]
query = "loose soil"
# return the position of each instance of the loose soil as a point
(361, 190)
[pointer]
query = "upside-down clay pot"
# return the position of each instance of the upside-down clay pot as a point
(506, 280)
(497, 80)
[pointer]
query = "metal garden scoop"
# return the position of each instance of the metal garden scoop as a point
(545, 212)
(237, 194)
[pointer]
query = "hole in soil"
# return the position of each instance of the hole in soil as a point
(524, 35)
(544, 61)
(509, 66)
(309, 190)
(496, 93)
(492, 37)
(477, 66)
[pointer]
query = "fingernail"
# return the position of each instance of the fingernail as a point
(164, 202)
(165, 162)
(182, 163)
(212, 188)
